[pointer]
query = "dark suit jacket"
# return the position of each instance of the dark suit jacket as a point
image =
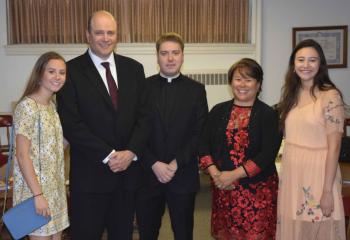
(177, 138)
(263, 133)
(93, 128)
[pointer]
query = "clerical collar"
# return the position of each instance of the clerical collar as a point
(169, 79)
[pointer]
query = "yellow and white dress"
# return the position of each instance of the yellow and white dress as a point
(48, 164)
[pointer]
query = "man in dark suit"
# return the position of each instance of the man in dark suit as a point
(170, 160)
(105, 121)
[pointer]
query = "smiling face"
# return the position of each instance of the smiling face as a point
(102, 34)
(170, 58)
(306, 65)
(53, 77)
(244, 88)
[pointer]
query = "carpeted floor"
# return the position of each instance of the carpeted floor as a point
(201, 218)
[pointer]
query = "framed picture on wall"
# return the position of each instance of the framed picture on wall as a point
(333, 39)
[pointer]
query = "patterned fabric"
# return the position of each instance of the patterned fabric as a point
(251, 168)
(310, 206)
(246, 212)
(50, 171)
(303, 171)
(206, 162)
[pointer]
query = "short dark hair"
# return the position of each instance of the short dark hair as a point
(170, 37)
(247, 67)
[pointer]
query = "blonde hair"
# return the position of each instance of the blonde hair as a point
(170, 37)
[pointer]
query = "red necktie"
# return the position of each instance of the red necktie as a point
(112, 86)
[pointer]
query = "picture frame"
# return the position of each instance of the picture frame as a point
(333, 40)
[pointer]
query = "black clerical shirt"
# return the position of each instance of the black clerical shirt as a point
(168, 97)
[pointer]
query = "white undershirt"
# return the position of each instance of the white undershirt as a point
(102, 70)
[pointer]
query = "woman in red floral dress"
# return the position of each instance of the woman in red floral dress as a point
(238, 148)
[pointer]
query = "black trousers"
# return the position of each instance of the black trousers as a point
(92, 213)
(151, 203)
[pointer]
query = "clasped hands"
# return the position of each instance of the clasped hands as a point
(120, 160)
(224, 180)
(163, 171)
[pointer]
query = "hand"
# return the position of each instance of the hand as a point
(173, 165)
(226, 178)
(120, 160)
(65, 143)
(327, 203)
(42, 206)
(163, 171)
(215, 173)
(216, 179)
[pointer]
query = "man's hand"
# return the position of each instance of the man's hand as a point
(163, 171)
(65, 143)
(120, 160)
(173, 165)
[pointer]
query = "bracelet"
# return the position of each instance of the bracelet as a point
(39, 194)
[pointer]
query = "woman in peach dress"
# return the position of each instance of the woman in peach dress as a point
(312, 115)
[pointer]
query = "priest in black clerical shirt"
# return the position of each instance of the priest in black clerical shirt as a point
(170, 160)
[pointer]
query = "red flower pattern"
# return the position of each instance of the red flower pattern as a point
(243, 213)
(205, 162)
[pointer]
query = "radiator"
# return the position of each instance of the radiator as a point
(213, 78)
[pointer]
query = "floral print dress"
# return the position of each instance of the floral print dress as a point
(247, 212)
(303, 171)
(48, 161)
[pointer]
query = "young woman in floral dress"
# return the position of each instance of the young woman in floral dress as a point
(39, 165)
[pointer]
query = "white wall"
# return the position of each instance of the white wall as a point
(273, 48)
(279, 17)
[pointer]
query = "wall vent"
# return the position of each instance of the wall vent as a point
(214, 78)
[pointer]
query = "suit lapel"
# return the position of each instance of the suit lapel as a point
(124, 82)
(95, 79)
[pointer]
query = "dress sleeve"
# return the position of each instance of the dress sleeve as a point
(205, 162)
(333, 109)
(206, 141)
(24, 119)
(251, 168)
(266, 125)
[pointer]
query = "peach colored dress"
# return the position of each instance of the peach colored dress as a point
(299, 215)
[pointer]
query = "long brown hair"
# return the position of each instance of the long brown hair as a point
(292, 85)
(34, 80)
